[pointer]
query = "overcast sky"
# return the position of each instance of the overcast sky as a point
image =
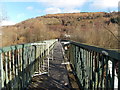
(19, 10)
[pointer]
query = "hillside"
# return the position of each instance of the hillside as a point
(92, 28)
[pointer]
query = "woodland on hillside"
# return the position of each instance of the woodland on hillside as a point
(95, 28)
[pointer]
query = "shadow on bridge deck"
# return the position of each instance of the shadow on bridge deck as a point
(58, 76)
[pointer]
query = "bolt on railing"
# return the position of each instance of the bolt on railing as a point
(20, 62)
(95, 68)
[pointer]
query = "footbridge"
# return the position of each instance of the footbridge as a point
(58, 65)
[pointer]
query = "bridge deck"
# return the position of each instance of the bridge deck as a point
(57, 79)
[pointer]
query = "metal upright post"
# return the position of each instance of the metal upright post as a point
(118, 75)
(10, 69)
(43, 57)
(1, 72)
(48, 58)
(6, 68)
(39, 60)
(52, 54)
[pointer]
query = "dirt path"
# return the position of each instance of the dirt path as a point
(57, 79)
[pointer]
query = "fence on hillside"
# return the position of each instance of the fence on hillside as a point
(94, 67)
(20, 62)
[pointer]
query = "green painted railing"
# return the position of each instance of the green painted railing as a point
(95, 68)
(20, 62)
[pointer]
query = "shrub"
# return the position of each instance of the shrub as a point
(115, 20)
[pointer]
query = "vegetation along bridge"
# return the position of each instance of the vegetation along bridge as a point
(46, 65)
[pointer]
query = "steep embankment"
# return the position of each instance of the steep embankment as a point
(91, 28)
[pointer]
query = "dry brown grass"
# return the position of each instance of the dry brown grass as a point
(83, 27)
(97, 35)
(26, 32)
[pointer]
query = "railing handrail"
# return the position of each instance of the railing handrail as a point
(19, 46)
(110, 53)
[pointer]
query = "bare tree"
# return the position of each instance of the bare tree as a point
(3, 17)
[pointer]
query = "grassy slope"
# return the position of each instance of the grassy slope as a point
(83, 27)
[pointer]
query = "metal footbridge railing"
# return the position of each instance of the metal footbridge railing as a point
(20, 62)
(95, 68)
